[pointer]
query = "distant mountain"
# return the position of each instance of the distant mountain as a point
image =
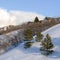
(16, 17)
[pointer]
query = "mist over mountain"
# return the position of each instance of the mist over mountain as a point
(15, 17)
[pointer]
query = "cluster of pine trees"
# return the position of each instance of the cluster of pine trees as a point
(46, 43)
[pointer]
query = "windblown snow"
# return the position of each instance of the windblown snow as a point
(33, 53)
(15, 17)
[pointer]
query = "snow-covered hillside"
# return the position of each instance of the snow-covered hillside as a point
(33, 53)
(15, 17)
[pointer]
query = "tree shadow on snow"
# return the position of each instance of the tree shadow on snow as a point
(32, 50)
(56, 41)
(56, 53)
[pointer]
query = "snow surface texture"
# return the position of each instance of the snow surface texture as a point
(15, 17)
(33, 53)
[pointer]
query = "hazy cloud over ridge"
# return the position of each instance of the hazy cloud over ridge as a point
(15, 17)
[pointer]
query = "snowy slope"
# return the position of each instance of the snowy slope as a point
(15, 17)
(33, 53)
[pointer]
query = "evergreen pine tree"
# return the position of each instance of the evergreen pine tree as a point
(47, 45)
(28, 35)
(36, 19)
(39, 37)
(27, 45)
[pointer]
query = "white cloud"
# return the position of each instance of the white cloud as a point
(16, 17)
(4, 17)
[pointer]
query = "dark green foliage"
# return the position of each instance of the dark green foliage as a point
(47, 45)
(28, 35)
(28, 44)
(36, 20)
(47, 18)
(39, 37)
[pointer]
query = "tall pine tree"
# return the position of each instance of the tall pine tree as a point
(28, 35)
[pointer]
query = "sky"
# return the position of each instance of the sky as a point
(44, 7)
